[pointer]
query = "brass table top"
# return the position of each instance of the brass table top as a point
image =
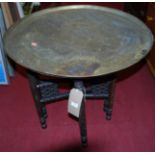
(78, 41)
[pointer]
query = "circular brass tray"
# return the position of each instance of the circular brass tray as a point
(78, 41)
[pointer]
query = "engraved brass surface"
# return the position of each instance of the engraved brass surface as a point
(78, 41)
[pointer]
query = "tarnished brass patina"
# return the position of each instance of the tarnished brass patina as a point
(78, 41)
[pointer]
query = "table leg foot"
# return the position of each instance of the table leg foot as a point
(84, 141)
(43, 123)
(108, 116)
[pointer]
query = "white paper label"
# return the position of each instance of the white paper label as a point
(75, 101)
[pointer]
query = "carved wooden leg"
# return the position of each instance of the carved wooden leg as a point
(108, 102)
(82, 124)
(82, 116)
(36, 96)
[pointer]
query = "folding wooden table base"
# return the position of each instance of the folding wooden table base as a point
(45, 91)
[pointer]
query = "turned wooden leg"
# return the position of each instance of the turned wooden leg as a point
(82, 115)
(108, 102)
(82, 124)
